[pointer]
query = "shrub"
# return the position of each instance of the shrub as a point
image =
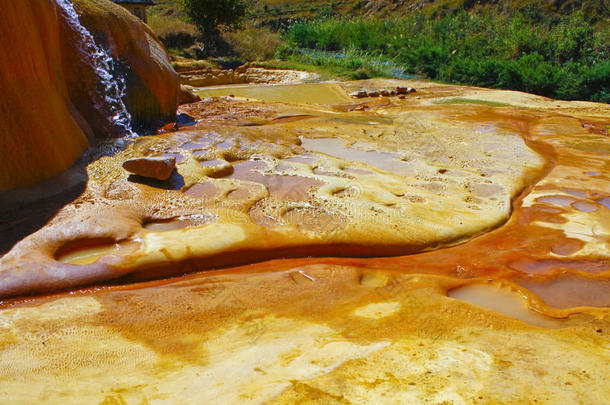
(173, 32)
(253, 43)
(207, 15)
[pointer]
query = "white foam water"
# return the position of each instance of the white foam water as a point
(111, 85)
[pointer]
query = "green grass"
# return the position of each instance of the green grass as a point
(558, 49)
(277, 13)
(253, 43)
(565, 58)
(355, 66)
(173, 32)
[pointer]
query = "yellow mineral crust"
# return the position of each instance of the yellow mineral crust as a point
(516, 315)
(343, 336)
(330, 182)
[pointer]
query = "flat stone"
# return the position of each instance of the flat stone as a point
(159, 168)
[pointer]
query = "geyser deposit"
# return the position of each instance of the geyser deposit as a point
(293, 244)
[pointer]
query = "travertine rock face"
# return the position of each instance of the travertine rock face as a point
(473, 323)
(309, 334)
(51, 105)
(42, 130)
(187, 95)
(244, 74)
(152, 85)
(314, 181)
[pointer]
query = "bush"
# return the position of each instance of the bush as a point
(173, 32)
(207, 15)
(253, 43)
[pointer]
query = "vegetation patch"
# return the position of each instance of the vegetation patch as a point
(564, 58)
(557, 49)
(174, 32)
(253, 43)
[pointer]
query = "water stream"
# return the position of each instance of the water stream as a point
(110, 85)
(387, 67)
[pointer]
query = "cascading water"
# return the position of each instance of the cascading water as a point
(110, 85)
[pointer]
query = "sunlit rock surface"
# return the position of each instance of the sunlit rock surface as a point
(51, 105)
(512, 309)
(308, 180)
(272, 338)
(41, 129)
(152, 85)
(247, 73)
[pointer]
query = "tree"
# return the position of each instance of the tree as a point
(207, 15)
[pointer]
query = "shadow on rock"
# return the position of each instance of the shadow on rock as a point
(175, 182)
(24, 211)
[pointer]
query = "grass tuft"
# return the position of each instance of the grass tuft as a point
(253, 44)
(173, 32)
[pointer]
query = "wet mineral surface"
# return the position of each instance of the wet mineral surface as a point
(451, 246)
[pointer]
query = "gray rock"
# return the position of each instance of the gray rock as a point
(159, 168)
(358, 94)
(372, 93)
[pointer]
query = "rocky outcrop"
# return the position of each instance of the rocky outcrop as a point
(51, 104)
(188, 95)
(400, 90)
(41, 129)
(152, 85)
(265, 188)
(210, 76)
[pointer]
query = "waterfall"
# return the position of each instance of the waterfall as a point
(111, 85)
